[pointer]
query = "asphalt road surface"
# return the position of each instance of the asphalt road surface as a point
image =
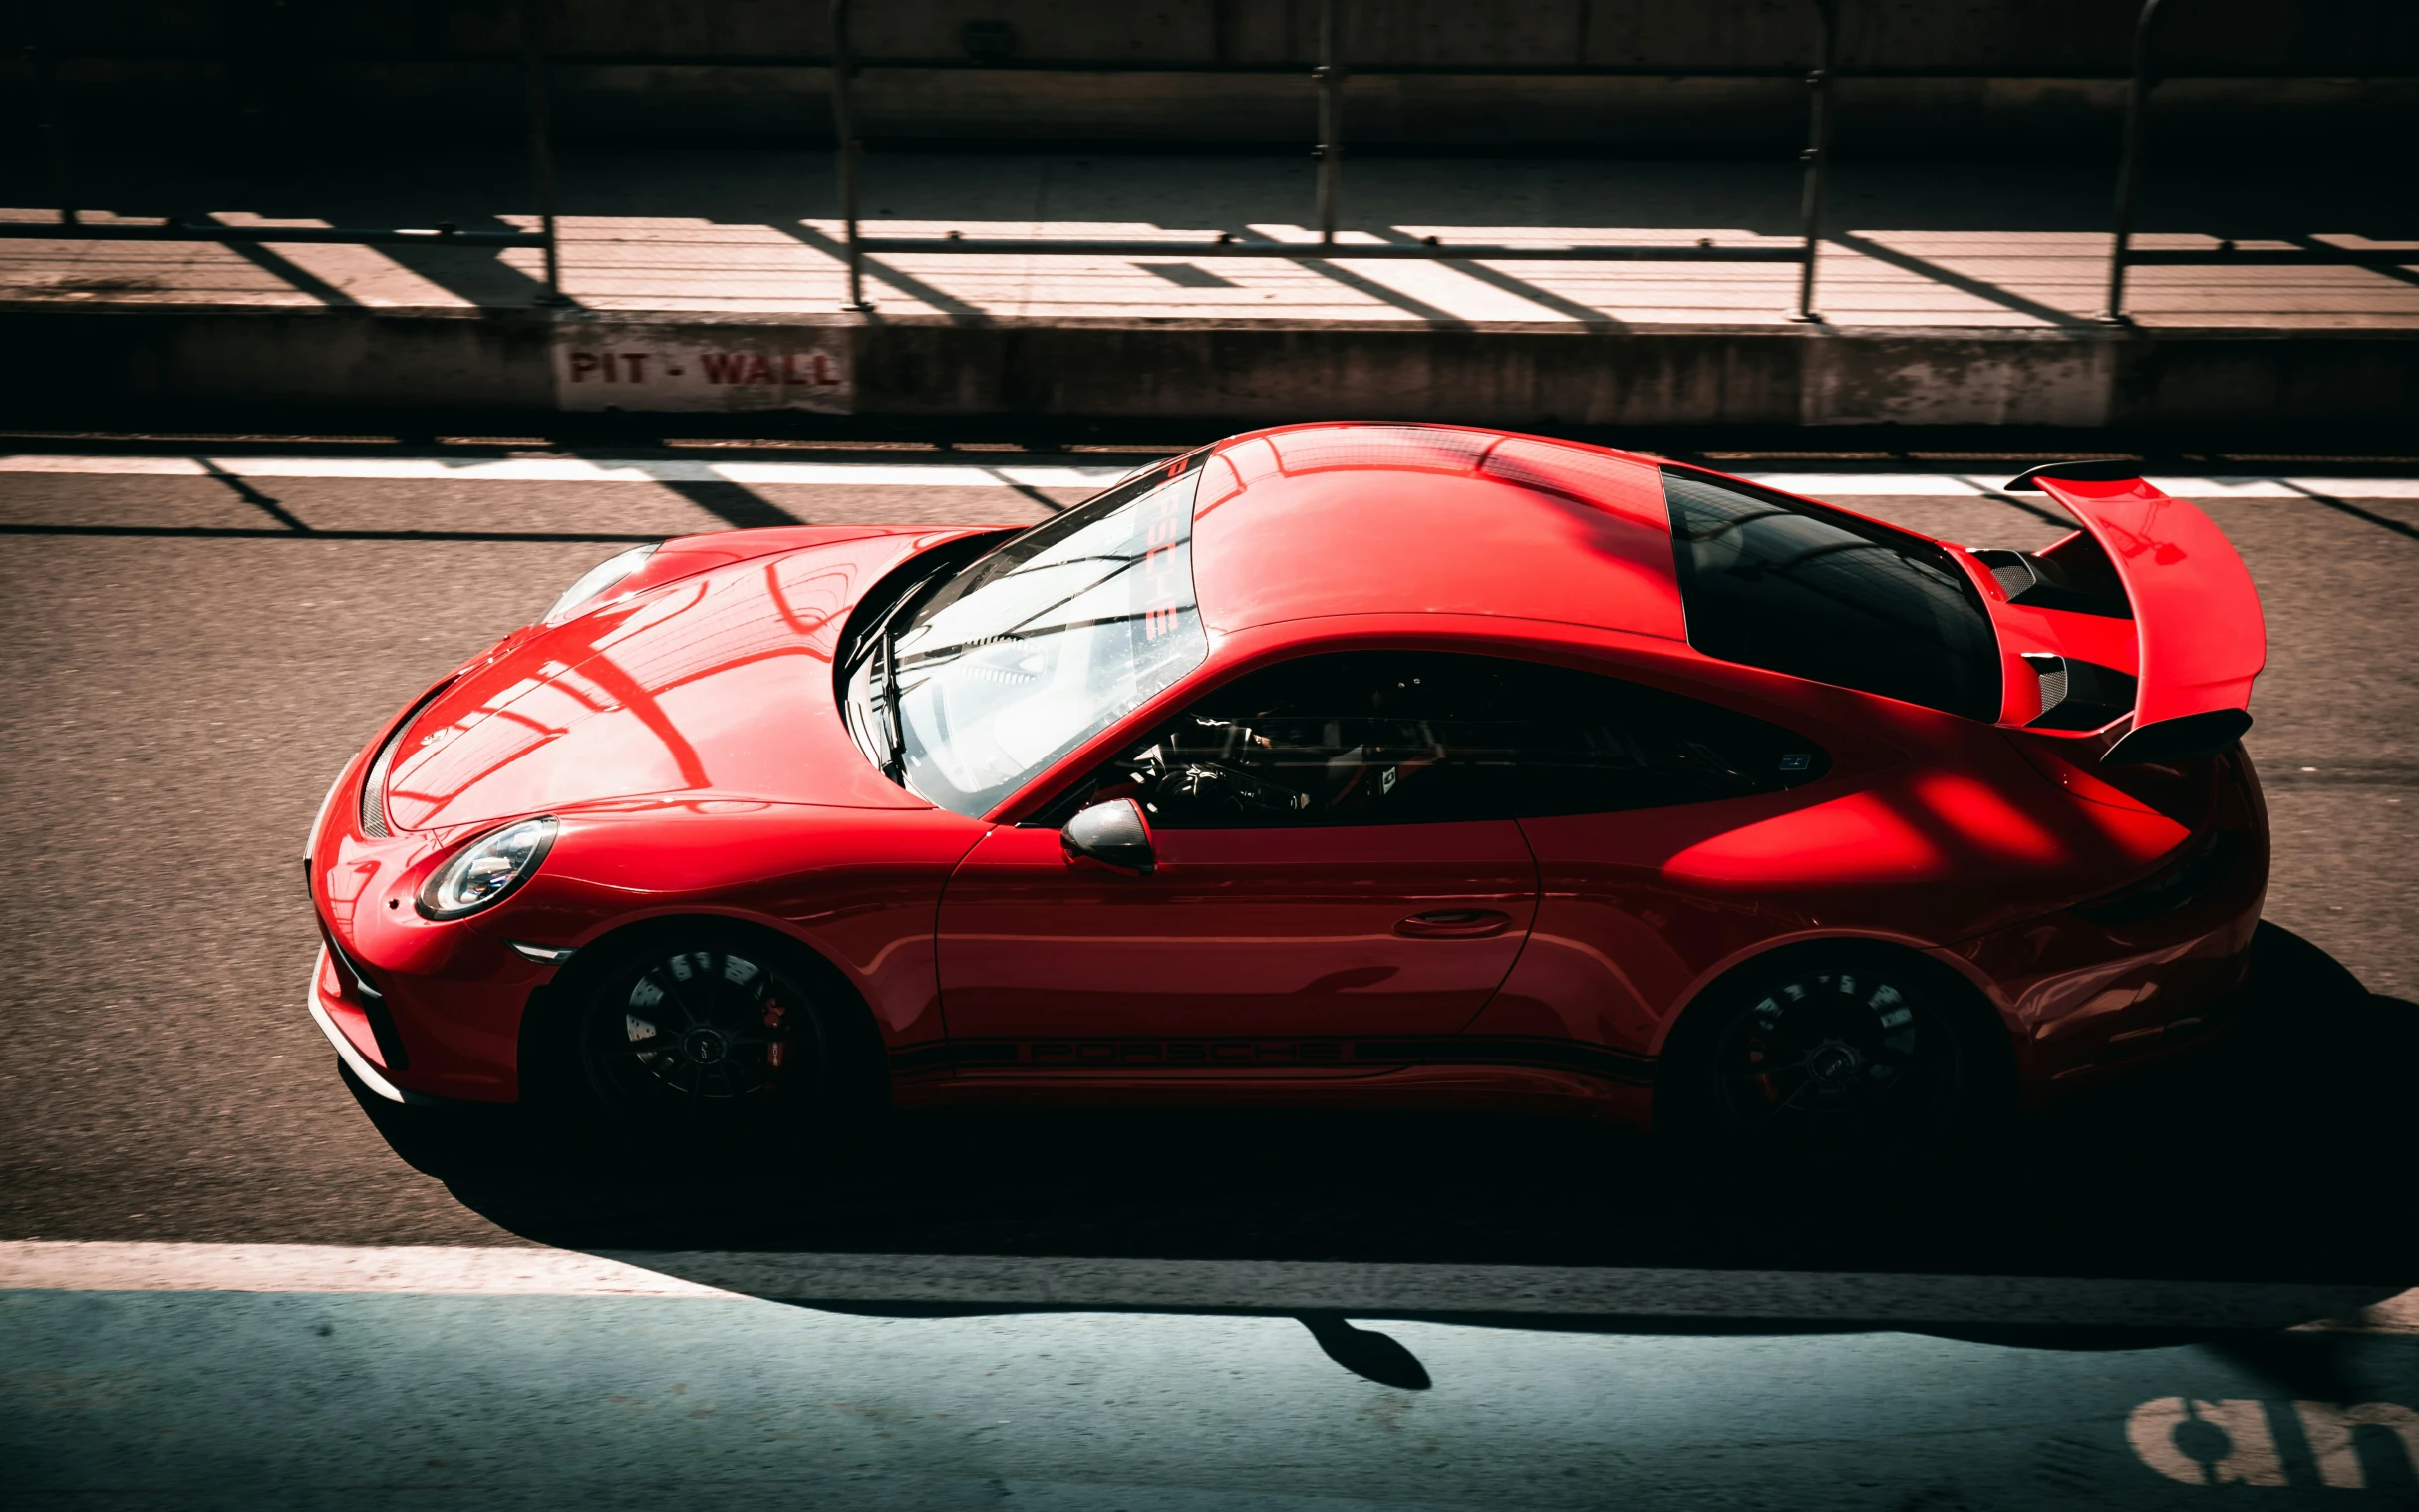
(200, 640)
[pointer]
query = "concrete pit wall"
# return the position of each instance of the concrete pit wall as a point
(1678, 376)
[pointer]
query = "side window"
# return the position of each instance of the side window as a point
(1403, 738)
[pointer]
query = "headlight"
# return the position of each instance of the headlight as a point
(484, 873)
(596, 580)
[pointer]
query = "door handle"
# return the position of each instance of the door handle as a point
(1454, 924)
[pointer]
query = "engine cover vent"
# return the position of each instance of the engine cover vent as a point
(2078, 695)
(2047, 582)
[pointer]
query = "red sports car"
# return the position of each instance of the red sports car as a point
(1326, 764)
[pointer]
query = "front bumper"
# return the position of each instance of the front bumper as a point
(324, 1009)
(418, 1010)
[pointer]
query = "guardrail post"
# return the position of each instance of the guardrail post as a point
(1817, 155)
(1329, 75)
(844, 127)
(46, 91)
(2129, 166)
(541, 149)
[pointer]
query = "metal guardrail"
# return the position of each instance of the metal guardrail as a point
(2122, 253)
(1329, 76)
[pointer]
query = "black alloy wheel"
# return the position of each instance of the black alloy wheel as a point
(1832, 1053)
(702, 1028)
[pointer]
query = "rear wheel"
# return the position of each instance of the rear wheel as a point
(1832, 1050)
(705, 1022)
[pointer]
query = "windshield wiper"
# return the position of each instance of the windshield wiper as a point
(925, 659)
(886, 698)
(882, 642)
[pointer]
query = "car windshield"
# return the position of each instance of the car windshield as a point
(1031, 649)
(1784, 584)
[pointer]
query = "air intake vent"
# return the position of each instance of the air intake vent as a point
(2053, 673)
(2011, 570)
(374, 796)
(2073, 579)
(2078, 695)
(374, 786)
(372, 1003)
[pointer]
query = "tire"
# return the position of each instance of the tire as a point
(703, 1022)
(1835, 1048)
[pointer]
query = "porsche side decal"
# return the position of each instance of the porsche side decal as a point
(1265, 1053)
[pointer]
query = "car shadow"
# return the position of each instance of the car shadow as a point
(2279, 1152)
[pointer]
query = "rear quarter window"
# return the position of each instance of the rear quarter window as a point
(1791, 586)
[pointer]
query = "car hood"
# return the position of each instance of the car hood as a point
(718, 683)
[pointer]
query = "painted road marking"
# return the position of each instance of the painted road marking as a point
(658, 366)
(1837, 1299)
(2235, 1442)
(2247, 1458)
(2329, 1430)
(573, 469)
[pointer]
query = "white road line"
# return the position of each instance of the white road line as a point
(572, 470)
(50, 1266)
(569, 470)
(1009, 1282)
(1987, 486)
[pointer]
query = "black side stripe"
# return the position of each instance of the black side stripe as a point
(1242, 1054)
(937, 1055)
(1558, 1054)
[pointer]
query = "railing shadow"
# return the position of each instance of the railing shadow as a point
(2277, 1153)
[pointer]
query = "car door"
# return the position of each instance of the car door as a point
(1329, 866)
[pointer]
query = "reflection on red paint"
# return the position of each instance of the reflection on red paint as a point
(1859, 838)
(1985, 821)
(1581, 537)
(716, 681)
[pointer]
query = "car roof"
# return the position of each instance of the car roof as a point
(1307, 521)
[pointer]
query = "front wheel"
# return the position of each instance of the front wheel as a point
(703, 1023)
(1827, 1052)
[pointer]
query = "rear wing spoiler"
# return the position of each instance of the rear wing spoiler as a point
(2198, 629)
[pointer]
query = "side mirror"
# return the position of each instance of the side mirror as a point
(1114, 835)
